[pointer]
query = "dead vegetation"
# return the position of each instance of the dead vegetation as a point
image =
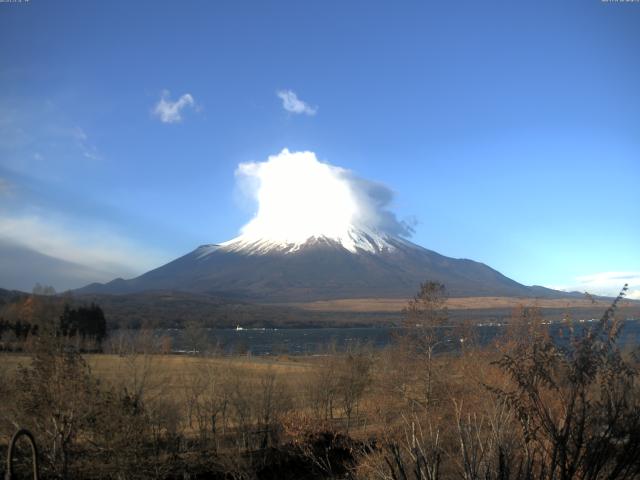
(527, 407)
(393, 305)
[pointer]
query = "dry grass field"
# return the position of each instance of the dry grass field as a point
(172, 375)
(463, 303)
(173, 380)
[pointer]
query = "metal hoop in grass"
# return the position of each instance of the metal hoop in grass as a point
(34, 452)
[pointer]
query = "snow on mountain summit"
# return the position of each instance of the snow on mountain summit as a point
(353, 239)
(303, 201)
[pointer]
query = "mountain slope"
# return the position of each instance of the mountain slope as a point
(22, 267)
(366, 264)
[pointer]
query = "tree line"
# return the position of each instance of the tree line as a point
(27, 318)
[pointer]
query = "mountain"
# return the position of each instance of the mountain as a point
(358, 263)
(21, 268)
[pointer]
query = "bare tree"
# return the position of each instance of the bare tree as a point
(414, 452)
(55, 396)
(577, 406)
(195, 337)
(207, 396)
(242, 405)
(322, 386)
(273, 402)
(354, 376)
(424, 317)
(487, 442)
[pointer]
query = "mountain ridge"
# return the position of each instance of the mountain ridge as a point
(367, 264)
(21, 267)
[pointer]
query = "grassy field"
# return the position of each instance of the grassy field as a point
(175, 378)
(174, 370)
(463, 303)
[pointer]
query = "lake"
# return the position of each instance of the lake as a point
(310, 341)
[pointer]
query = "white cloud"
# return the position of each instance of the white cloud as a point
(170, 112)
(291, 103)
(94, 246)
(299, 196)
(606, 283)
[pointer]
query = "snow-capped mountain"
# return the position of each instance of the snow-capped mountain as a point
(357, 263)
(352, 239)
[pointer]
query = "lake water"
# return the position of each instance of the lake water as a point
(299, 341)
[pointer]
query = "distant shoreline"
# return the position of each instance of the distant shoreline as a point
(454, 303)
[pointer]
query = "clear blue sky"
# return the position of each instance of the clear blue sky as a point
(509, 130)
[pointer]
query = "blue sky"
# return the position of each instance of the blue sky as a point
(510, 131)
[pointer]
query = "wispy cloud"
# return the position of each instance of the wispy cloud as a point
(606, 283)
(291, 103)
(95, 246)
(76, 137)
(37, 137)
(88, 150)
(171, 112)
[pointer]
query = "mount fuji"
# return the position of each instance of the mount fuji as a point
(356, 263)
(319, 233)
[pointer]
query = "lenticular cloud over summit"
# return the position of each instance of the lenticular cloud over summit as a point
(299, 197)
